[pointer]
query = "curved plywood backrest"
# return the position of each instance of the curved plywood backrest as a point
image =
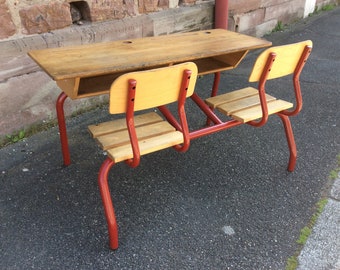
(154, 87)
(287, 58)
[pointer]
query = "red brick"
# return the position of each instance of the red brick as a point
(43, 18)
(7, 28)
(145, 6)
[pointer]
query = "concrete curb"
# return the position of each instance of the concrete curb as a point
(322, 248)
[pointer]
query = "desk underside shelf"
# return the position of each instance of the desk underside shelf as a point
(76, 88)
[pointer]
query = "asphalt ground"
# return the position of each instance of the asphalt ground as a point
(228, 203)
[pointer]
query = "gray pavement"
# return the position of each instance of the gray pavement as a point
(228, 203)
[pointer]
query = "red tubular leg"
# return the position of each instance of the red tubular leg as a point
(62, 128)
(214, 91)
(107, 202)
(217, 79)
(290, 140)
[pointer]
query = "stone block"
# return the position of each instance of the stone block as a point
(286, 12)
(270, 3)
(7, 28)
(249, 20)
(173, 3)
(187, 2)
(243, 6)
(321, 3)
(36, 102)
(265, 28)
(16, 66)
(114, 9)
(184, 19)
(16, 47)
(44, 18)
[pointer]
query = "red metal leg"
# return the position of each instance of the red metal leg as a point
(107, 202)
(214, 91)
(290, 140)
(62, 128)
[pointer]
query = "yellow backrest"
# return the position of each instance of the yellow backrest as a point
(287, 58)
(154, 88)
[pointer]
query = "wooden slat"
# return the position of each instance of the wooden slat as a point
(120, 124)
(122, 137)
(231, 96)
(255, 112)
(232, 107)
(146, 146)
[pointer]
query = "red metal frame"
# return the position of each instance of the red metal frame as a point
(284, 115)
(262, 92)
(296, 81)
(290, 140)
(62, 128)
(134, 162)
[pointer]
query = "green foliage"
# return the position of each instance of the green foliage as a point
(13, 138)
(328, 7)
(292, 263)
(304, 234)
(279, 27)
(20, 135)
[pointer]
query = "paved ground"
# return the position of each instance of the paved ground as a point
(228, 203)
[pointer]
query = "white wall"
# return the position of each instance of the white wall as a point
(309, 7)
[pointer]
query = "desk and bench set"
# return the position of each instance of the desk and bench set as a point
(152, 72)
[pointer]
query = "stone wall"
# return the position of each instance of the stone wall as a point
(28, 95)
(41, 16)
(257, 17)
(26, 17)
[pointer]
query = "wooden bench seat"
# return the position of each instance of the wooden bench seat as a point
(153, 134)
(244, 105)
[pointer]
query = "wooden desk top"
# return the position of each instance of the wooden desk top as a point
(135, 54)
